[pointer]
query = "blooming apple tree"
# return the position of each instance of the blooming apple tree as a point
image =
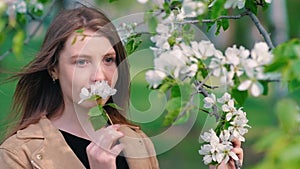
(181, 61)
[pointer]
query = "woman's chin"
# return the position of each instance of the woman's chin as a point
(87, 104)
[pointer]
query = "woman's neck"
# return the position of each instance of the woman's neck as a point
(72, 121)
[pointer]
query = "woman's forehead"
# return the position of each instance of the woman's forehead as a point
(89, 42)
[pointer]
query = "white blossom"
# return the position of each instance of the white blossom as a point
(203, 49)
(229, 106)
(209, 101)
(235, 55)
(234, 3)
(225, 98)
(173, 62)
(142, 1)
(192, 8)
(155, 77)
(217, 149)
(217, 64)
(253, 86)
(268, 1)
(101, 89)
(261, 54)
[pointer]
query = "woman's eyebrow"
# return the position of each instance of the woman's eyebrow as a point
(110, 53)
(81, 56)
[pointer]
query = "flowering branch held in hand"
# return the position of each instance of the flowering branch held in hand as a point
(97, 92)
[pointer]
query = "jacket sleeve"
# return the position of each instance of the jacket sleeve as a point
(10, 160)
(139, 150)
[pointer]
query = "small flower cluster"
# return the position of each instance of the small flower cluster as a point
(22, 7)
(194, 8)
(182, 60)
(191, 9)
(238, 3)
(99, 89)
(126, 30)
(233, 125)
(218, 149)
(236, 118)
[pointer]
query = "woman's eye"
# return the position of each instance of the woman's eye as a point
(109, 60)
(81, 62)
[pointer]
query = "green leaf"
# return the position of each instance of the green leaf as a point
(287, 111)
(98, 122)
(219, 25)
(167, 9)
(18, 42)
(174, 104)
(21, 19)
(182, 90)
(96, 111)
(276, 65)
(239, 96)
(182, 119)
(266, 87)
(251, 5)
(176, 3)
(98, 117)
(173, 107)
(80, 31)
(296, 69)
(133, 43)
(166, 85)
(225, 24)
(43, 1)
(288, 50)
(110, 1)
(74, 40)
(217, 9)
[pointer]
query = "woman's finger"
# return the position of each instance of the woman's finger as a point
(108, 137)
(115, 150)
(236, 143)
(239, 152)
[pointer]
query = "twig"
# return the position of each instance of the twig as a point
(30, 36)
(260, 28)
(201, 90)
(213, 20)
(186, 107)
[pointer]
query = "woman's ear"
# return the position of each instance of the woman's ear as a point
(53, 72)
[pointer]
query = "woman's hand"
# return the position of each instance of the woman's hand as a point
(237, 149)
(230, 164)
(103, 152)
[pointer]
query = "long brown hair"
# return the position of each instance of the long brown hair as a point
(36, 94)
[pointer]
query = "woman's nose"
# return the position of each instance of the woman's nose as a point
(98, 74)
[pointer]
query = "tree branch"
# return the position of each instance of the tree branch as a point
(30, 36)
(260, 28)
(253, 17)
(193, 21)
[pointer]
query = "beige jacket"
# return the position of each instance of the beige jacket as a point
(42, 146)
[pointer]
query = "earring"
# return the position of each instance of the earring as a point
(53, 78)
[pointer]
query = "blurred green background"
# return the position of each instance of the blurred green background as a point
(279, 20)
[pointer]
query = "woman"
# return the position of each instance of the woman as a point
(81, 47)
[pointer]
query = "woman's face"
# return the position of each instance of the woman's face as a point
(82, 62)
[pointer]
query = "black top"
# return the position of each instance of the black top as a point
(78, 145)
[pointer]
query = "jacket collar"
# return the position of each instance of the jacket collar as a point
(52, 151)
